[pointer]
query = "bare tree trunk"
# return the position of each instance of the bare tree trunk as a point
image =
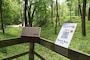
(57, 17)
(57, 11)
(2, 24)
(29, 12)
(79, 7)
(31, 15)
(83, 18)
(89, 13)
(70, 11)
(25, 12)
(45, 18)
(22, 18)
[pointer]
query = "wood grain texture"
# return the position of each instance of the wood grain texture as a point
(69, 53)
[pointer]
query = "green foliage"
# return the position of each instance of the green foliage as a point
(64, 10)
(10, 11)
(42, 13)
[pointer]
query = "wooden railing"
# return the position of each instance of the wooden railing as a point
(69, 53)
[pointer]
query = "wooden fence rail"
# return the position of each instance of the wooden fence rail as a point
(69, 53)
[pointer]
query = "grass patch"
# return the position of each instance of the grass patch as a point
(10, 33)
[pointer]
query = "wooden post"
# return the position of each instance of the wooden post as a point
(31, 52)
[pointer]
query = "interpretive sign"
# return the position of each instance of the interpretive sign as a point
(31, 31)
(66, 34)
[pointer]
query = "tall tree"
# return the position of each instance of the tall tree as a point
(25, 12)
(57, 17)
(83, 18)
(1, 14)
(31, 11)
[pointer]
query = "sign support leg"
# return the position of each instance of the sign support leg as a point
(31, 52)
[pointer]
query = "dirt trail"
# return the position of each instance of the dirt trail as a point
(20, 25)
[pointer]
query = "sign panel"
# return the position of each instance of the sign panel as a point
(66, 34)
(31, 31)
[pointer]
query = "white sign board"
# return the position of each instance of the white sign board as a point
(66, 34)
(31, 31)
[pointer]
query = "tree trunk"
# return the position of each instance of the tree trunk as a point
(89, 13)
(70, 15)
(29, 12)
(57, 12)
(31, 15)
(52, 11)
(83, 18)
(25, 12)
(57, 17)
(79, 7)
(2, 24)
(45, 18)
(70, 12)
